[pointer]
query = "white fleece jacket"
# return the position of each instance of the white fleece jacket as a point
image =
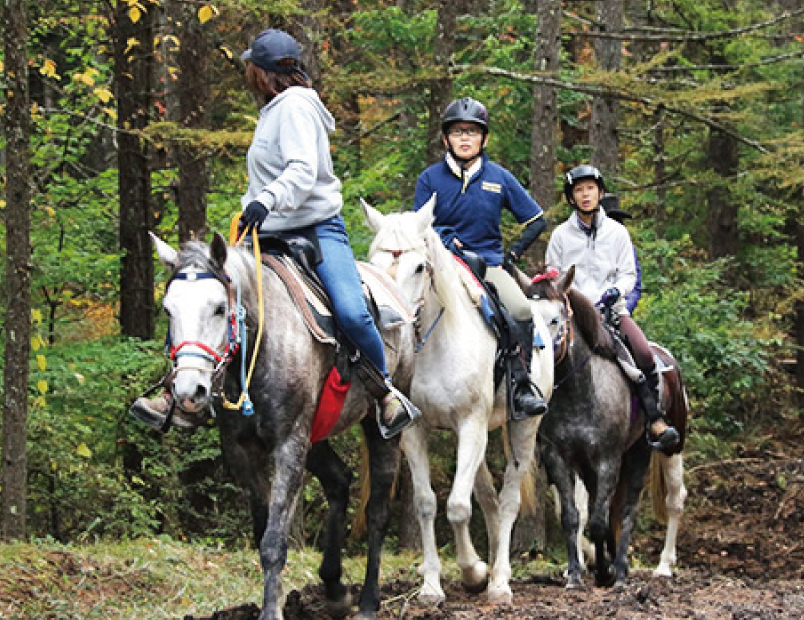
(289, 163)
(602, 260)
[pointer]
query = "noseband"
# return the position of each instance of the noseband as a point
(204, 351)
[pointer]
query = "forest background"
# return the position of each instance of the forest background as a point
(126, 116)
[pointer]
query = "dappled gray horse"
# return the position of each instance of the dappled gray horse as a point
(591, 431)
(268, 450)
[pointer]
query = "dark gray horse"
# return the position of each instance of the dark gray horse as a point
(591, 430)
(268, 450)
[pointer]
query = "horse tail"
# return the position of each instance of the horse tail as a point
(359, 524)
(658, 486)
(528, 505)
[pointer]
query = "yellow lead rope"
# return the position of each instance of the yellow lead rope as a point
(235, 240)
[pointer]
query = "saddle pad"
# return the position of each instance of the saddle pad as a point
(382, 288)
(469, 280)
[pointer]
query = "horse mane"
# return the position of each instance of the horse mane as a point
(590, 327)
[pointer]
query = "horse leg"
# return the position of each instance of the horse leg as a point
(384, 459)
(632, 480)
(563, 478)
(523, 444)
(472, 441)
(673, 471)
(601, 488)
(289, 457)
(414, 445)
(335, 478)
(486, 496)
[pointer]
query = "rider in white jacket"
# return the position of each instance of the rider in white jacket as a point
(605, 272)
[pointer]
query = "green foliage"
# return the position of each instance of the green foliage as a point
(688, 308)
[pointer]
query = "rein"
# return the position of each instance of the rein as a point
(563, 342)
(421, 340)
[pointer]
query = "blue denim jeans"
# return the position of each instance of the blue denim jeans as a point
(338, 273)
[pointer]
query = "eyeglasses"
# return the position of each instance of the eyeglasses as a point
(464, 131)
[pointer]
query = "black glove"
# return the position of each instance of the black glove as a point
(509, 261)
(610, 297)
(253, 216)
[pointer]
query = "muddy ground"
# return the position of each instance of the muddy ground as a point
(740, 557)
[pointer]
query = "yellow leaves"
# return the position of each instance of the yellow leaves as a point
(41, 361)
(36, 315)
(48, 69)
(41, 385)
(207, 12)
(50, 211)
(131, 43)
(104, 94)
(37, 342)
(83, 450)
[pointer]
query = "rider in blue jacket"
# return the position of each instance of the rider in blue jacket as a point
(471, 193)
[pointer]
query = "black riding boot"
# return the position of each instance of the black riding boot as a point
(528, 402)
(648, 393)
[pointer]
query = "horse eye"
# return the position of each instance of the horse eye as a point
(220, 310)
(419, 269)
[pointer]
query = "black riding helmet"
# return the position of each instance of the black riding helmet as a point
(579, 173)
(465, 110)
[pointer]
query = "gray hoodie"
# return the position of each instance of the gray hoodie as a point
(289, 163)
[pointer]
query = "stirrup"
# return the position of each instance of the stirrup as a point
(409, 414)
(668, 439)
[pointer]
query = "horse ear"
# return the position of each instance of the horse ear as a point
(424, 216)
(217, 250)
(373, 217)
(167, 255)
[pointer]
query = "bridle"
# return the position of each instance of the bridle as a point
(194, 348)
(421, 339)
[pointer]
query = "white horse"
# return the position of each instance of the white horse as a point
(453, 385)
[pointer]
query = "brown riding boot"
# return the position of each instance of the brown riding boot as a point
(154, 413)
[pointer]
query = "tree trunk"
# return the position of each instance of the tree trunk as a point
(14, 466)
(545, 104)
(660, 173)
(799, 306)
(133, 71)
(603, 132)
(723, 211)
(441, 87)
(193, 98)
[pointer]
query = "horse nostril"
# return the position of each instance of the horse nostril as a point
(200, 393)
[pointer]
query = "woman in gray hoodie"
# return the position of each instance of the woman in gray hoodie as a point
(292, 187)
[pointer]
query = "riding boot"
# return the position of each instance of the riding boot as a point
(395, 412)
(660, 434)
(156, 412)
(528, 402)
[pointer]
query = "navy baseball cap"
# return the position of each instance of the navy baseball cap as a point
(270, 47)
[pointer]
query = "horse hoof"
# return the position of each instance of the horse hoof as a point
(605, 581)
(500, 595)
(431, 599)
(339, 609)
(663, 572)
(475, 579)
(574, 584)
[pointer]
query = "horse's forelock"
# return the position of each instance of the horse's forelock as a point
(544, 289)
(195, 254)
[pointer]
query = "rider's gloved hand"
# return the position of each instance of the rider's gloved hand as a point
(253, 216)
(509, 261)
(610, 297)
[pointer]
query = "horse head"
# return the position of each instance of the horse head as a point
(199, 302)
(403, 247)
